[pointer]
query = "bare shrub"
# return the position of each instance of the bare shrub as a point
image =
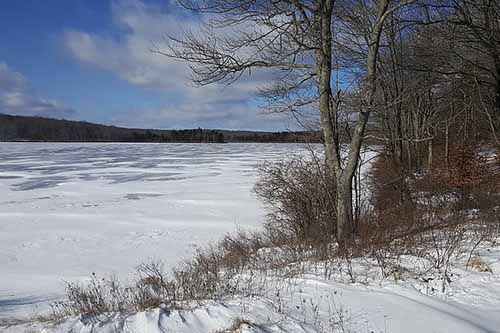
(94, 300)
(238, 325)
(439, 214)
(478, 264)
(152, 287)
(300, 195)
(209, 274)
(203, 277)
(469, 176)
(240, 250)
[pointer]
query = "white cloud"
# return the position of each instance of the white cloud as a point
(126, 52)
(18, 98)
(191, 115)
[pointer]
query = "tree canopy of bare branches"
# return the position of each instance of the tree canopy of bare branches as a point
(403, 60)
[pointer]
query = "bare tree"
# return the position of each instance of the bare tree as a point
(296, 39)
(469, 52)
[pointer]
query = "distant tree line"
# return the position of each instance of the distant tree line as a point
(189, 135)
(283, 137)
(18, 128)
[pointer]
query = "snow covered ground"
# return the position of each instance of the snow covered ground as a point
(68, 210)
(310, 303)
(71, 209)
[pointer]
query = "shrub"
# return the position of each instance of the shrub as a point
(93, 300)
(442, 212)
(300, 196)
(209, 274)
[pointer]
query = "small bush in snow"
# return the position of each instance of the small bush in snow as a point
(301, 197)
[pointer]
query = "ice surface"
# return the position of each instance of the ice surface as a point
(68, 210)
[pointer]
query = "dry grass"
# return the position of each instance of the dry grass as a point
(479, 265)
(236, 326)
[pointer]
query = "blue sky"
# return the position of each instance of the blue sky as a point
(90, 60)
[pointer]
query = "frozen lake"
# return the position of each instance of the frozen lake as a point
(68, 210)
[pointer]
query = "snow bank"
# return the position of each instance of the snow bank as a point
(310, 303)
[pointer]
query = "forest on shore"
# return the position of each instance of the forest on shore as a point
(38, 129)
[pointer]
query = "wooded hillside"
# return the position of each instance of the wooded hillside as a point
(17, 128)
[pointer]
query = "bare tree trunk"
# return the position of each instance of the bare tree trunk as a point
(447, 144)
(323, 72)
(344, 175)
(429, 153)
(497, 85)
(326, 107)
(399, 136)
(344, 210)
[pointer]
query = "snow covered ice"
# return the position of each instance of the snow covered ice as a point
(68, 210)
